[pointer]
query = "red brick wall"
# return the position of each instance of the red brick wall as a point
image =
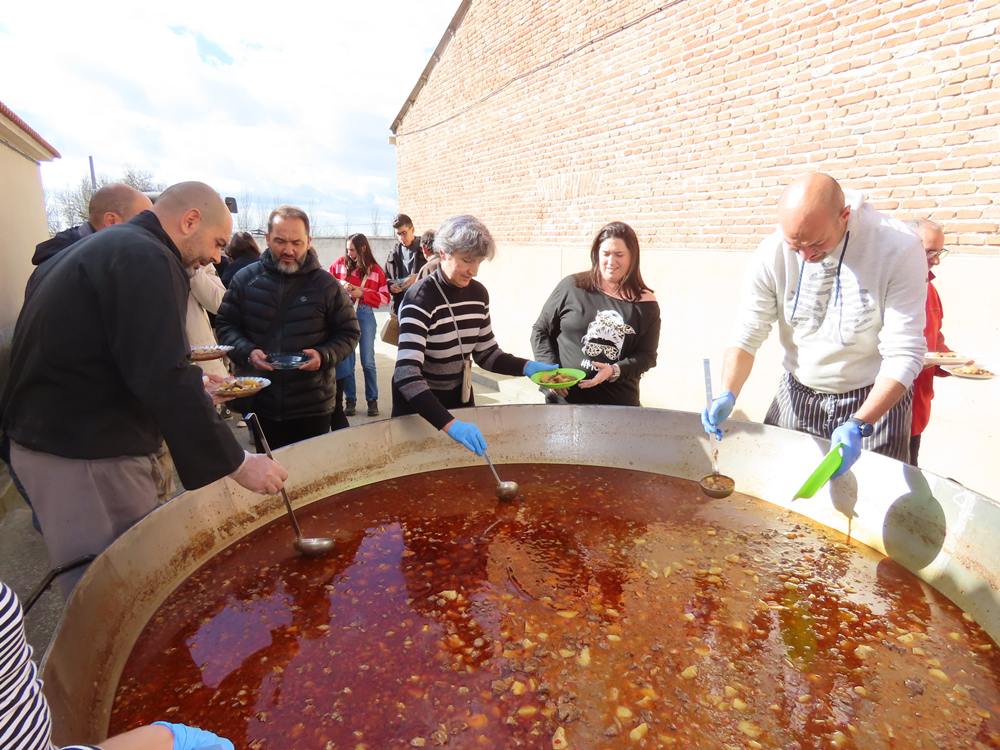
(687, 123)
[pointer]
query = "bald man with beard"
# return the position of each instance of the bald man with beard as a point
(846, 286)
(100, 376)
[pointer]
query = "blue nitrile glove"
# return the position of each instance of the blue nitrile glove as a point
(531, 368)
(192, 738)
(849, 436)
(468, 435)
(713, 416)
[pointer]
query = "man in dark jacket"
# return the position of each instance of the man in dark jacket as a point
(101, 339)
(404, 260)
(286, 303)
(112, 204)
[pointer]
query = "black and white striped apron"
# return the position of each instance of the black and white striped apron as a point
(798, 407)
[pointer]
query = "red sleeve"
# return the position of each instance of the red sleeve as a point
(376, 291)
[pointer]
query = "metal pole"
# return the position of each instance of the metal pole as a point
(93, 178)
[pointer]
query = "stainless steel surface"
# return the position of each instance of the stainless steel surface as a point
(505, 490)
(308, 546)
(944, 533)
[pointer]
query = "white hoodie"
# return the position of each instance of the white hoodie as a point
(858, 314)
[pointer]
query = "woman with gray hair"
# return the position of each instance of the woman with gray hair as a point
(444, 324)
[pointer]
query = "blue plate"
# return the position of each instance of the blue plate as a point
(290, 361)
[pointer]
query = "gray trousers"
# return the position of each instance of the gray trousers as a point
(798, 407)
(83, 506)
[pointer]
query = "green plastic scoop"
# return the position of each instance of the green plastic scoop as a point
(830, 463)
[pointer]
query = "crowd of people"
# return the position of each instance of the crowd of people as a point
(114, 306)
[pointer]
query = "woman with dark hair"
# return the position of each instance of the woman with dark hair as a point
(365, 283)
(604, 321)
(242, 250)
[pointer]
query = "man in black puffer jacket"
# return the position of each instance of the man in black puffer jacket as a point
(286, 303)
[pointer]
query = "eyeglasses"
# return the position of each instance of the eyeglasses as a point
(937, 253)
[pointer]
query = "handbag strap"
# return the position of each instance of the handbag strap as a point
(454, 320)
(362, 288)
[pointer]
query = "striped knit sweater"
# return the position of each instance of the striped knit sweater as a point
(429, 360)
(25, 723)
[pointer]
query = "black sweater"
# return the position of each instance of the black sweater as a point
(281, 313)
(99, 365)
(577, 327)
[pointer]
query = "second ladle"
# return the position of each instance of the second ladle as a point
(715, 484)
(307, 546)
(505, 490)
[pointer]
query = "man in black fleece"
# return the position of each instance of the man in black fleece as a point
(101, 339)
(112, 204)
(286, 303)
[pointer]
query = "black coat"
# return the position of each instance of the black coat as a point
(46, 251)
(284, 313)
(99, 364)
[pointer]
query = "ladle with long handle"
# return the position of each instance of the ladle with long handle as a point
(307, 546)
(505, 490)
(715, 484)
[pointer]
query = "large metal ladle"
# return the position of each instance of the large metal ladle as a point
(307, 546)
(715, 484)
(505, 490)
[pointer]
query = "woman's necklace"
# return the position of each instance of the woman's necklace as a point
(611, 290)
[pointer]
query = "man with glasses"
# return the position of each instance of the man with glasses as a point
(846, 285)
(932, 237)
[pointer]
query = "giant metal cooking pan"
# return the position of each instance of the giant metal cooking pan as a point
(941, 531)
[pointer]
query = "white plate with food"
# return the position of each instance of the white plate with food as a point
(209, 351)
(973, 372)
(945, 358)
(240, 387)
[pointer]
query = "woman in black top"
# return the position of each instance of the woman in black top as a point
(242, 250)
(604, 321)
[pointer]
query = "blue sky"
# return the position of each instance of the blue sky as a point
(287, 101)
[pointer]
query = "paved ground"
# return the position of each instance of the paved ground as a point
(23, 563)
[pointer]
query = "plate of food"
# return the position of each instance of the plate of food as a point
(240, 387)
(564, 377)
(945, 358)
(973, 372)
(287, 361)
(209, 351)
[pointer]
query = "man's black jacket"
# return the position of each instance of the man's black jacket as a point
(282, 313)
(99, 365)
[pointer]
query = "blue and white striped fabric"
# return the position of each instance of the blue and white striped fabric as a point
(25, 723)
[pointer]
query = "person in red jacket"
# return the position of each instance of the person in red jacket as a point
(932, 237)
(365, 283)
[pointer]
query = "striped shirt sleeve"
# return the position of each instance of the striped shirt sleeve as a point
(431, 350)
(25, 722)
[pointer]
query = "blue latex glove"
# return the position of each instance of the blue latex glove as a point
(849, 436)
(530, 368)
(192, 738)
(468, 435)
(713, 416)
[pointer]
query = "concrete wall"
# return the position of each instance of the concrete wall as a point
(697, 291)
(22, 216)
(548, 118)
(331, 248)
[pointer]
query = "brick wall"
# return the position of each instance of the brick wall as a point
(687, 122)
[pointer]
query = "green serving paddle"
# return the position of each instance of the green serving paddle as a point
(830, 463)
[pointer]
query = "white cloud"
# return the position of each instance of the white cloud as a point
(291, 100)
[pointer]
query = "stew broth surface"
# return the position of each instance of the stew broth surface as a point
(605, 608)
